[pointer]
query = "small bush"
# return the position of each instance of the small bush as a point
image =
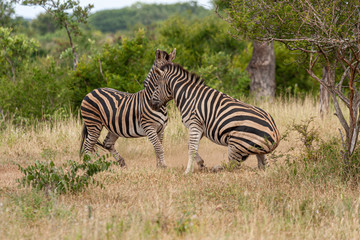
(71, 177)
(308, 135)
(38, 93)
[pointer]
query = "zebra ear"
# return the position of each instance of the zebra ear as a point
(172, 55)
(157, 54)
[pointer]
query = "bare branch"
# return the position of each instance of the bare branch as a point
(344, 75)
(101, 71)
(342, 139)
(339, 113)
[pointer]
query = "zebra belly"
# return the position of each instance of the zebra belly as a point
(220, 141)
(136, 132)
(126, 129)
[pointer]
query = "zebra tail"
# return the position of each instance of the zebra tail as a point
(84, 134)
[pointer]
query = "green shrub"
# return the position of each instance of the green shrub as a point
(70, 177)
(323, 164)
(291, 77)
(221, 72)
(38, 92)
(124, 66)
(319, 161)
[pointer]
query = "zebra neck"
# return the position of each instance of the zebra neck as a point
(149, 77)
(182, 92)
(147, 93)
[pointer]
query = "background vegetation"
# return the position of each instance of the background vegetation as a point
(46, 84)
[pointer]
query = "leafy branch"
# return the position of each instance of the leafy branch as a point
(70, 177)
(71, 22)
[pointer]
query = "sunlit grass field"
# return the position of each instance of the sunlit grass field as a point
(293, 199)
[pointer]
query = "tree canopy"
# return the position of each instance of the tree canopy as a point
(70, 21)
(326, 32)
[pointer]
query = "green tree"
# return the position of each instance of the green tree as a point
(15, 51)
(38, 93)
(291, 76)
(6, 13)
(122, 66)
(262, 65)
(326, 32)
(71, 22)
(44, 23)
(205, 47)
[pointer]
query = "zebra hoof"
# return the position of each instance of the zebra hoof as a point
(262, 167)
(217, 168)
(188, 172)
(203, 168)
(161, 166)
(122, 163)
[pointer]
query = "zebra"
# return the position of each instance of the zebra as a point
(126, 115)
(243, 128)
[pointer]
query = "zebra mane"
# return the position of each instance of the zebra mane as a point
(191, 76)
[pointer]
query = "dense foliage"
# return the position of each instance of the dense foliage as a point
(6, 13)
(122, 65)
(46, 83)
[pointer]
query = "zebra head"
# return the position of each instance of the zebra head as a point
(161, 58)
(162, 93)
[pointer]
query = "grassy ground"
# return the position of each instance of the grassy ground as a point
(290, 200)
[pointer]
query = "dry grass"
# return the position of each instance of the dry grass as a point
(142, 202)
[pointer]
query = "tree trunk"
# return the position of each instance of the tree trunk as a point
(262, 70)
(75, 58)
(327, 76)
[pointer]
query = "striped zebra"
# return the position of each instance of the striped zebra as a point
(245, 129)
(126, 115)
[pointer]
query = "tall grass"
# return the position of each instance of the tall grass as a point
(299, 197)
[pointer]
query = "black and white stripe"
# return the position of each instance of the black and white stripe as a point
(245, 129)
(125, 115)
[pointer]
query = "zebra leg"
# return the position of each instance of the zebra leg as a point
(93, 134)
(161, 136)
(195, 134)
(161, 161)
(262, 161)
(109, 144)
(199, 161)
(234, 155)
(157, 143)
